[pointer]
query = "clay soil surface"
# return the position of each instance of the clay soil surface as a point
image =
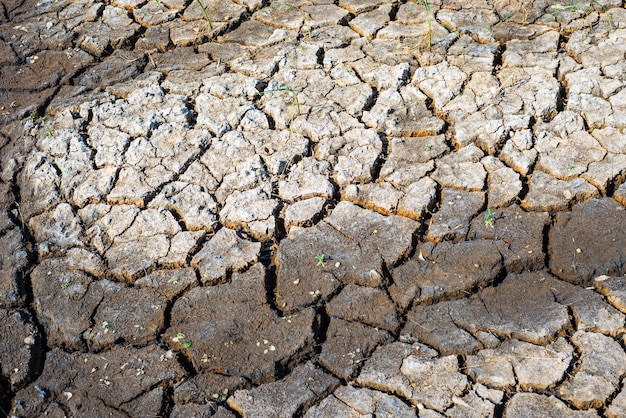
(313, 208)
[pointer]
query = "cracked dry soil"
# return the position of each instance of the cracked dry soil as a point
(324, 208)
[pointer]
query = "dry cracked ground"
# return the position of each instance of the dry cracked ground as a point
(348, 208)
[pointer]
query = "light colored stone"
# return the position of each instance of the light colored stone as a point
(253, 210)
(538, 52)
(612, 139)
(403, 113)
(304, 212)
(367, 24)
(614, 288)
(549, 193)
(470, 404)
(475, 21)
(196, 208)
(521, 307)
(530, 366)
(617, 408)
(351, 402)
(620, 194)
(603, 173)
(602, 363)
(567, 156)
(308, 178)
(436, 382)
(381, 197)
(410, 159)
(364, 147)
(534, 405)
(224, 253)
(518, 152)
(248, 174)
(56, 230)
(536, 88)
(413, 371)
(504, 184)
(283, 398)
(419, 198)
(220, 115)
(457, 208)
(441, 82)
(472, 56)
(461, 169)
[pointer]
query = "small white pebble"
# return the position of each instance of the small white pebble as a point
(296, 281)
(578, 251)
(337, 264)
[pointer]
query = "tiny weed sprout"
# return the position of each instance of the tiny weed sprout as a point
(180, 337)
(428, 147)
(490, 218)
(224, 395)
(206, 15)
(64, 285)
(174, 280)
(320, 259)
(105, 325)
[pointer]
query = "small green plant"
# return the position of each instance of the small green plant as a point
(490, 218)
(221, 397)
(571, 167)
(41, 120)
(174, 280)
(428, 147)
(49, 130)
(206, 15)
(180, 337)
(320, 259)
(64, 285)
(224, 395)
(104, 325)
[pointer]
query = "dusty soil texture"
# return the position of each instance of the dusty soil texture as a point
(322, 208)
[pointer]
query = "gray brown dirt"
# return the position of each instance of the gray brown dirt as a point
(312, 208)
